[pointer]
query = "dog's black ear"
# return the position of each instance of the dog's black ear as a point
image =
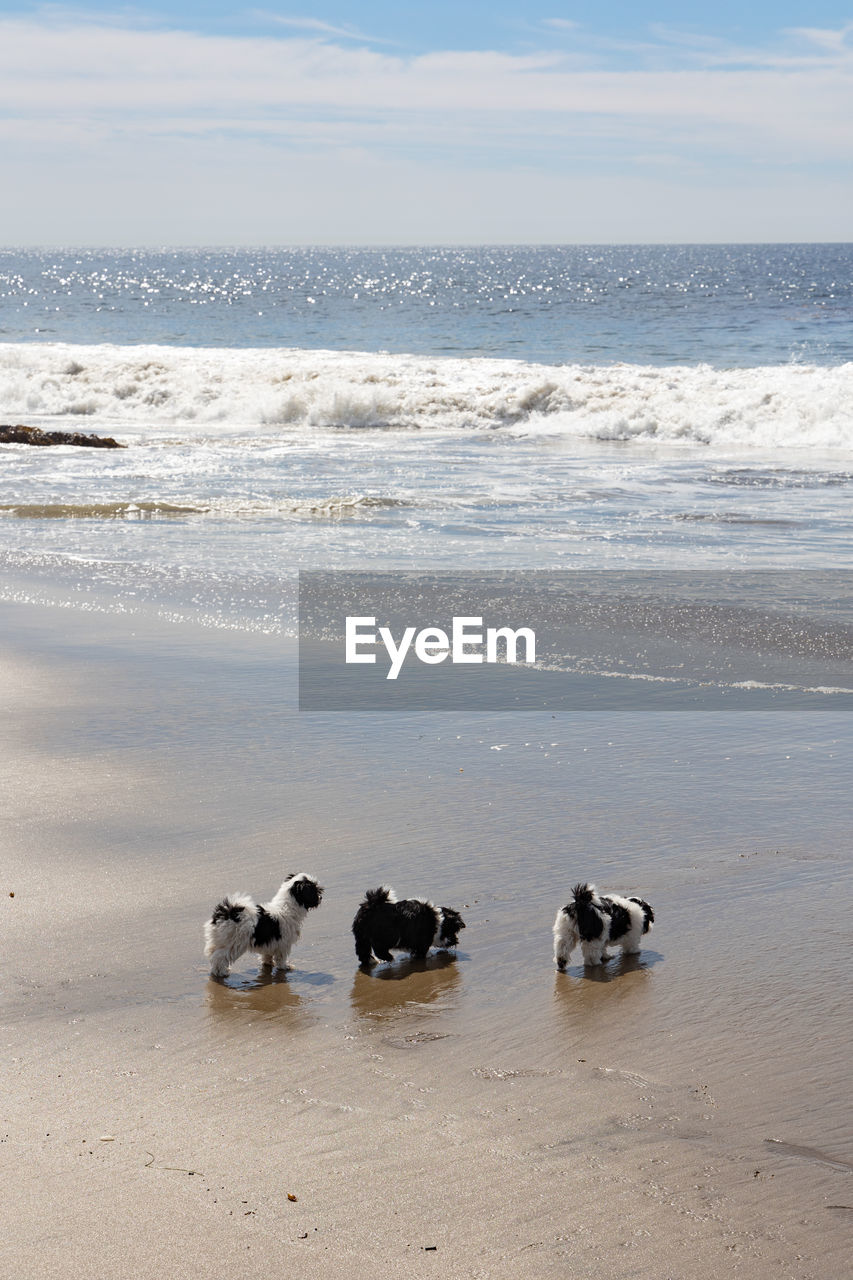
(306, 893)
(648, 914)
(451, 925)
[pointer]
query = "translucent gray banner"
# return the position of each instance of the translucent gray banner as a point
(588, 641)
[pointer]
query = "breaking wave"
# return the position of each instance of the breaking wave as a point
(202, 392)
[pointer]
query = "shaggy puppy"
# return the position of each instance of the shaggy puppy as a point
(239, 925)
(383, 924)
(594, 920)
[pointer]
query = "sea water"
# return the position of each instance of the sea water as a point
(517, 407)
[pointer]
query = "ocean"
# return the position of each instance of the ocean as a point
(496, 407)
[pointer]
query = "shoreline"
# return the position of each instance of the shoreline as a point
(482, 1116)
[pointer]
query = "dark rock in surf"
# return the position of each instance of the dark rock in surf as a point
(35, 435)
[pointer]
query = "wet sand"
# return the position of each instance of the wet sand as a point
(681, 1115)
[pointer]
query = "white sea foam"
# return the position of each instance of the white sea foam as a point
(191, 392)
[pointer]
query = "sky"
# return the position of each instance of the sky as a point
(391, 123)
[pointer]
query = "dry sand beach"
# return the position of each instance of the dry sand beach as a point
(679, 1116)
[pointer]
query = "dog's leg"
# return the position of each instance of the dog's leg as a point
(220, 963)
(593, 952)
(566, 938)
(632, 943)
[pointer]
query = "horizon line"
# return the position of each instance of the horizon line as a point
(420, 244)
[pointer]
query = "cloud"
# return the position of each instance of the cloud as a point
(141, 79)
(121, 111)
(798, 48)
(320, 27)
(669, 48)
(831, 41)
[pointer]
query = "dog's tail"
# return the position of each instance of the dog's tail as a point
(230, 909)
(589, 910)
(369, 914)
(374, 897)
(648, 914)
(231, 925)
(583, 894)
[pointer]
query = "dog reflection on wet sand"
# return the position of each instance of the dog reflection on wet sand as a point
(407, 985)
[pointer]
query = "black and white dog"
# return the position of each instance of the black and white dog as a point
(382, 925)
(239, 924)
(594, 920)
